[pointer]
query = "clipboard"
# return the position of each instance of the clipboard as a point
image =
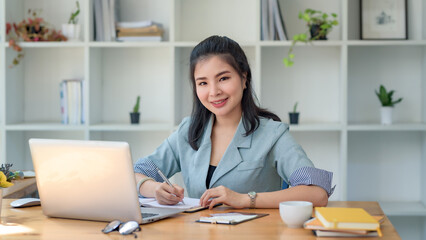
(231, 218)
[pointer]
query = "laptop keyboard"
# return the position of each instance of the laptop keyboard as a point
(147, 215)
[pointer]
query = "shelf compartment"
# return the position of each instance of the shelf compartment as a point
(385, 166)
(214, 15)
(403, 208)
(17, 148)
(290, 11)
(32, 87)
(281, 87)
(141, 144)
(146, 73)
(397, 68)
(55, 13)
(323, 148)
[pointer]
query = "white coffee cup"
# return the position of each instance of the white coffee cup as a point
(295, 213)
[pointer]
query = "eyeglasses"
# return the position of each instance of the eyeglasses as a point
(125, 228)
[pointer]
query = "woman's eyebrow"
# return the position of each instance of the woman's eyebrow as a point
(221, 73)
(217, 75)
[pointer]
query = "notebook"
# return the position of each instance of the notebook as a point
(346, 218)
(91, 180)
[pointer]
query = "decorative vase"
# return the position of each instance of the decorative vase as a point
(71, 31)
(315, 31)
(386, 115)
(294, 117)
(134, 117)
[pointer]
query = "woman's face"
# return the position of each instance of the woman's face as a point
(219, 87)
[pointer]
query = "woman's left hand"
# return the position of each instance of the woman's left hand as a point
(224, 195)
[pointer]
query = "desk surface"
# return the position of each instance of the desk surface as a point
(182, 226)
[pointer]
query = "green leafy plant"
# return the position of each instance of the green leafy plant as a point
(6, 175)
(318, 23)
(295, 107)
(136, 107)
(385, 97)
(73, 18)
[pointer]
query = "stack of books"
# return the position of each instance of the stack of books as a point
(72, 101)
(139, 31)
(344, 222)
(272, 24)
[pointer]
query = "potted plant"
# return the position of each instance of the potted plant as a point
(32, 29)
(72, 29)
(385, 98)
(134, 116)
(319, 25)
(294, 116)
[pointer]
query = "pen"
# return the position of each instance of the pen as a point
(166, 180)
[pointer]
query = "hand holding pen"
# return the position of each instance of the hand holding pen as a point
(166, 180)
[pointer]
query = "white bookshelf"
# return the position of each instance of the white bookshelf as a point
(333, 81)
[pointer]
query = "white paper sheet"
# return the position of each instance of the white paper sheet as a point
(189, 203)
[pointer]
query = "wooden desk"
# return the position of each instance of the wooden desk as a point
(21, 188)
(182, 226)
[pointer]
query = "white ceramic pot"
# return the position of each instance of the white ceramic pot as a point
(386, 115)
(71, 31)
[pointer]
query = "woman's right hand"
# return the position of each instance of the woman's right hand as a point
(167, 195)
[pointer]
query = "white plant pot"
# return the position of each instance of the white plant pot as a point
(71, 31)
(386, 115)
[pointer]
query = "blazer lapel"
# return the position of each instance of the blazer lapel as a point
(201, 161)
(231, 158)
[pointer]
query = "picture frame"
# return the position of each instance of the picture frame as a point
(383, 20)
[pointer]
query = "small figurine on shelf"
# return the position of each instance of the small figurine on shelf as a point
(385, 98)
(72, 29)
(134, 116)
(294, 116)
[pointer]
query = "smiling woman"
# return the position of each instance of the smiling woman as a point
(230, 150)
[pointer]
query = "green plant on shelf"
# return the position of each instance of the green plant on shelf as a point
(319, 25)
(73, 18)
(295, 107)
(136, 107)
(385, 97)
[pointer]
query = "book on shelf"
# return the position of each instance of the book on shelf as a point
(105, 12)
(279, 23)
(346, 219)
(153, 32)
(71, 100)
(155, 28)
(140, 39)
(136, 24)
(272, 24)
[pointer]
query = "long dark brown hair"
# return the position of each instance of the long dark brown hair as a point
(230, 52)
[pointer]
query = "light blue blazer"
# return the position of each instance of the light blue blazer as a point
(257, 162)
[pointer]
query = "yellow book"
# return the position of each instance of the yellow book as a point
(346, 218)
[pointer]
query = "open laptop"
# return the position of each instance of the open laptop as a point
(91, 180)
